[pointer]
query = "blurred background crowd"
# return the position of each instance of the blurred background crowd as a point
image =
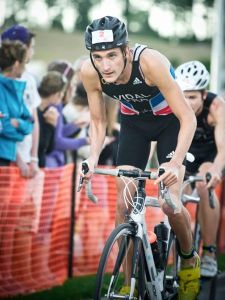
(54, 95)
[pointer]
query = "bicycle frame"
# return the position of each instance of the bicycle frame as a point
(155, 286)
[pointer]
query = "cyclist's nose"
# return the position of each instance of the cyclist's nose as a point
(105, 65)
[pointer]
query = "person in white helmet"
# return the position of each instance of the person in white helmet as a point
(208, 147)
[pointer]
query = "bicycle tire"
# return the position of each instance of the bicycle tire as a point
(110, 277)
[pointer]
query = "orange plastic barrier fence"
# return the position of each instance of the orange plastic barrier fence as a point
(35, 218)
(34, 229)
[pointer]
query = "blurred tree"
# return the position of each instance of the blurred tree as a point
(83, 8)
(13, 8)
(57, 22)
(136, 15)
(137, 20)
(185, 4)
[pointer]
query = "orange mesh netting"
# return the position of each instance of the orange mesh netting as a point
(34, 229)
(35, 221)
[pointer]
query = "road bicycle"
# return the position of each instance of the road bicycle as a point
(151, 275)
(148, 271)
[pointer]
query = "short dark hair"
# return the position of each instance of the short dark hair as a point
(64, 67)
(10, 52)
(53, 82)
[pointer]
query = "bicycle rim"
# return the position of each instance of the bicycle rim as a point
(114, 263)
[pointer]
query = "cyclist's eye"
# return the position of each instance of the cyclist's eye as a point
(112, 55)
(97, 58)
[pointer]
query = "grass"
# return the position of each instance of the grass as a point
(53, 44)
(80, 288)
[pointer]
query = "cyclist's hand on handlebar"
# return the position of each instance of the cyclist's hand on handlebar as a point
(215, 177)
(85, 170)
(170, 176)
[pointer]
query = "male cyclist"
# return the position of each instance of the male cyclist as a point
(153, 108)
(208, 148)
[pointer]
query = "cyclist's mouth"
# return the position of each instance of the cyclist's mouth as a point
(109, 74)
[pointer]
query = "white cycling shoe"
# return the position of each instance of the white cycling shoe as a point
(209, 266)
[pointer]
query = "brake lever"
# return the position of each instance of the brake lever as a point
(164, 191)
(208, 177)
(161, 184)
(85, 170)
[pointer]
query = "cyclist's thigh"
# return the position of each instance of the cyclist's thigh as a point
(134, 146)
(204, 167)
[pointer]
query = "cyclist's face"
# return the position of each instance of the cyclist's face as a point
(110, 63)
(195, 98)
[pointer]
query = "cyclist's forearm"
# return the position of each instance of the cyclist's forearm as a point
(219, 160)
(186, 133)
(97, 137)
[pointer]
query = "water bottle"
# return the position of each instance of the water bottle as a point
(161, 231)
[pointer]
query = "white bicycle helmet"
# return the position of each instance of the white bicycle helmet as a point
(192, 76)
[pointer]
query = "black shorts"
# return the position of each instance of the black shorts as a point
(138, 131)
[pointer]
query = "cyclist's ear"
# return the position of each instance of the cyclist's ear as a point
(204, 95)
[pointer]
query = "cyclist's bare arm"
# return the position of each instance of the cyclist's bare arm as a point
(97, 112)
(216, 118)
(154, 65)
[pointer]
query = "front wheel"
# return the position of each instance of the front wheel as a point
(115, 263)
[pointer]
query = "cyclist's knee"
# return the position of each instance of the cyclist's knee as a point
(204, 168)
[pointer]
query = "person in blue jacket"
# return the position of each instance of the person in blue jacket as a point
(15, 119)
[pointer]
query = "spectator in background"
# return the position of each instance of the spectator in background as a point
(27, 158)
(16, 121)
(65, 68)
(55, 138)
(15, 124)
(77, 111)
(51, 91)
